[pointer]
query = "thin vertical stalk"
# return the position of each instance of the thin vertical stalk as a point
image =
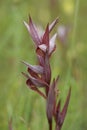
(75, 22)
(74, 31)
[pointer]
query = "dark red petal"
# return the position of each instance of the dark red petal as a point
(64, 110)
(45, 39)
(29, 83)
(38, 82)
(35, 68)
(34, 88)
(51, 26)
(51, 101)
(32, 73)
(34, 32)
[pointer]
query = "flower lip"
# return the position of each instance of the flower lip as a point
(38, 82)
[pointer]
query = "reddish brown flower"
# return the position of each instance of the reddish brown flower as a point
(42, 42)
(39, 76)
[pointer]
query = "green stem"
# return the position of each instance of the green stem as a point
(73, 36)
(74, 32)
(75, 22)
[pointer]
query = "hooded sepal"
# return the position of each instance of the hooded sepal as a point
(33, 32)
(35, 68)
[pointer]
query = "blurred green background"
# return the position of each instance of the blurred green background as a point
(69, 61)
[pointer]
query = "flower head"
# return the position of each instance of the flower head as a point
(43, 42)
(39, 76)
